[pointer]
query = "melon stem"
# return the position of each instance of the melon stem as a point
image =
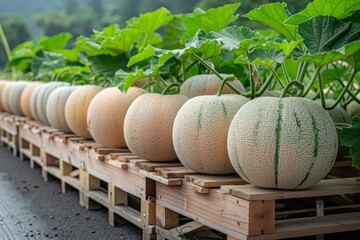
(167, 89)
(342, 94)
(218, 75)
(223, 82)
(299, 87)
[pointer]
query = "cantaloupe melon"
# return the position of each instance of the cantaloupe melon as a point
(200, 132)
(106, 114)
(206, 84)
(76, 108)
(55, 107)
(26, 96)
(5, 96)
(288, 143)
(148, 126)
(2, 86)
(353, 109)
(337, 114)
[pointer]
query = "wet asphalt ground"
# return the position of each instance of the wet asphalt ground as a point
(33, 209)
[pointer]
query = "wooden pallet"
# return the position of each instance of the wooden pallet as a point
(9, 132)
(218, 202)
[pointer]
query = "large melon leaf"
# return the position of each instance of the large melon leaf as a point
(151, 21)
(214, 19)
(329, 39)
(325, 33)
(58, 41)
(273, 15)
(350, 137)
(44, 63)
(174, 33)
(107, 64)
(335, 8)
(125, 39)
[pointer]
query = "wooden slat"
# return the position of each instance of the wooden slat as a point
(174, 172)
(214, 181)
(160, 179)
(151, 166)
(105, 151)
(325, 187)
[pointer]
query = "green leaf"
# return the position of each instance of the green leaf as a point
(44, 63)
(324, 34)
(151, 21)
(332, 56)
(124, 79)
(110, 31)
(93, 48)
(263, 57)
(147, 53)
(174, 33)
(55, 42)
(273, 15)
(72, 55)
(336, 8)
(107, 64)
(214, 19)
(350, 137)
(123, 41)
(285, 46)
(331, 75)
(229, 38)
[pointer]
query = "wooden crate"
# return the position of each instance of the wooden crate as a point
(120, 170)
(241, 211)
(9, 132)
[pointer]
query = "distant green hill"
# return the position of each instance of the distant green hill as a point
(27, 8)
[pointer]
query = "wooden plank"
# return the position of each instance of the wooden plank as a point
(105, 151)
(115, 155)
(160, 179)
(214, 180)
(174, 172)
(313, 226)
(151, 166)
(326, 187)
(225, 213)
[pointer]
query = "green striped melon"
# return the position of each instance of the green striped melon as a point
(148, 126)
(200, 132)
(42, 99)
(287, 143)
(15, 97)
(55, 107)
(206, 84)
